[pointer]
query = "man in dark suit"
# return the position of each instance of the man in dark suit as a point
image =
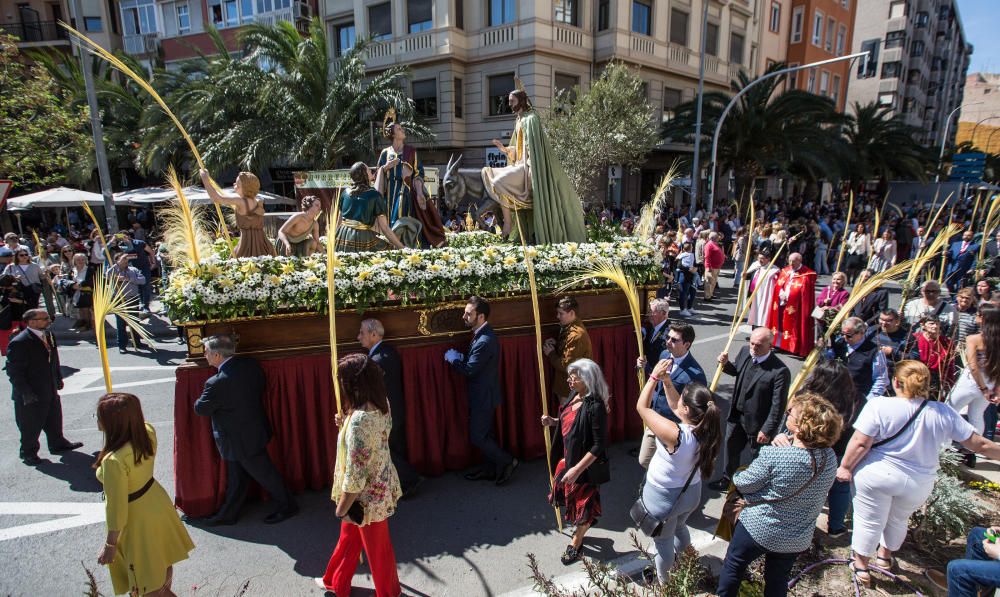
(482, 373)
(992, 253)
(35, 379)
(233, 397)
(685, 370)
(371, 336)
(872, 304)
(961, 257)
(759, 397)
(654, 336)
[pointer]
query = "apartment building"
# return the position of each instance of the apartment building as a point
(35, 22)
(464, 55)
(820, 30)
(918, 62)
(979, 119)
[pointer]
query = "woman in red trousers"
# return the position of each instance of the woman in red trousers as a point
(365, 485)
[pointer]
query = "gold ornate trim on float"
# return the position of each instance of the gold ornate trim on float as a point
(430, 320)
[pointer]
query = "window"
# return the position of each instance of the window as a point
(798, 17)
(895, 39)
(500, 87)
(419, 15)
(922, 20)
(94, 24)
(774, 25)
(913, 76)
(380, 21)
(671, 99)
(642, 17)
(459, 99)
(183, 18)
(836, 90)
(568, 84)
(811, 81)
(460, 14)
(841, 39)
(824, 83)
(264, 6)
(886, 99)
(793, 77)
(603, 14)
(897, 9)
(678, 27)
(943, 12)
(501, 12)
(736, 48)
(846, 4)
(891, 70)
(139, 16)
(425, 101)
(345, 35)
(908, 104)
(567, 12)
(868, 65)
(817, 37)
(712, 39)
(917, 50)
(831, 32)
(246, 11)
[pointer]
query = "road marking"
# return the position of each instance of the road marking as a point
(77, 515)
(118, 386)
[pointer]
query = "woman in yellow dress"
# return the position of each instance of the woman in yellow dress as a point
(145, 535)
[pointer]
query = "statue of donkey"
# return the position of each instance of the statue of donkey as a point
(463, 187)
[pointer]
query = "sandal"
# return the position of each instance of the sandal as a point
(571, 555)
(861, 575)
(889, 564)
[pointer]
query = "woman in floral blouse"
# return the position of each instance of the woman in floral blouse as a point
(365, 485)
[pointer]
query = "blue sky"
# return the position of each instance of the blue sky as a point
(980, 19)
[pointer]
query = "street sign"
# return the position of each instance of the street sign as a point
(967, 167)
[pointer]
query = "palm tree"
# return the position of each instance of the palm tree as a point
(791, 131)
(281, 104)
(883, 146)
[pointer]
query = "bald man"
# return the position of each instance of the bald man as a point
(760, 393)
(791, 308)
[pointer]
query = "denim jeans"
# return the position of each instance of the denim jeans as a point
(819, 263)
(977, 570)
(839, 501)
(121, 334)
(673, 508)
(742, 551)
(991, 422)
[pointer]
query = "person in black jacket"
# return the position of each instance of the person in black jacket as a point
(481, 369)
(758, 403)
(579, 451)
(35, 379)
(233, 397)
(872, 304)
(372, 336)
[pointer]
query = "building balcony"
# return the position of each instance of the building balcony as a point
(143, 44)
(36, 32)
(298, 13)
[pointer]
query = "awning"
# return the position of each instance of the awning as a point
(196, 195)
(57, 197)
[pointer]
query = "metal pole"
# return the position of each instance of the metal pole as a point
(972, 139)
(696, 161)
(732, 102)
(944, 139)
(103, 173)
(989, 140)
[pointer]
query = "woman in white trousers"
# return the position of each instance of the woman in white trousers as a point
(976, 386)
(892, 459)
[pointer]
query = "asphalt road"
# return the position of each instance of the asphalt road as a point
(454, 537)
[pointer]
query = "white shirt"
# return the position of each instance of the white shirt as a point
(371, 350)
(915, 451)
(39, 333)
(670, 470)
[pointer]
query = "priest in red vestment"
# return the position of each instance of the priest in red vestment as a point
(792, 306)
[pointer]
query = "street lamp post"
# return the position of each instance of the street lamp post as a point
(944, 139)
(696, 160)
(732, 102)
(989, 140)
(973, 137)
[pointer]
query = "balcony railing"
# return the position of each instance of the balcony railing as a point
(496, 36)
(643, 44)
(297, 11)
(35, 31)
(679, 54)
(142, 44)
(569, 36)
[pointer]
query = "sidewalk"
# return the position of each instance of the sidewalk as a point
(157, 325)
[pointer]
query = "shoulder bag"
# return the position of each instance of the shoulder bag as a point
(646, 522)
(906, 426)
(735, 502)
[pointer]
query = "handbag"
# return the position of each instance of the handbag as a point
(818, 313)
(646, 522)
(599, 471)
(735, 502)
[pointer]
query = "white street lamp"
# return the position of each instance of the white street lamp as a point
(944, 139)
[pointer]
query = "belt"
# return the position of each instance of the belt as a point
(141, 491)
(355, 225)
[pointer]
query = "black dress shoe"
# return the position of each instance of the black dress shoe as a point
(281, 515)
(720, 485)
(31, 460)
(67, 447)
(478, 475)
(507, 472)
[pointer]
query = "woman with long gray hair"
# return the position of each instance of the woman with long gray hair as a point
(579, 451)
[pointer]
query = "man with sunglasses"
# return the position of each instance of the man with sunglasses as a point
(685, 370)
(35, 378)
(863, 358)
